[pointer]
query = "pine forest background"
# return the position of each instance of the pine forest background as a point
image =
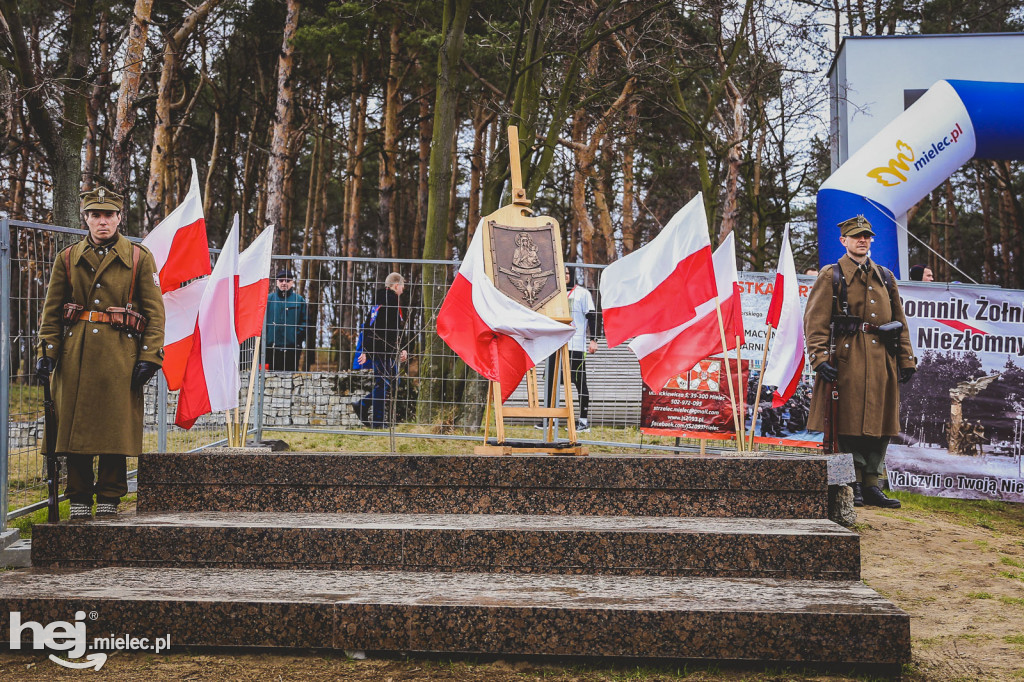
(377, 128)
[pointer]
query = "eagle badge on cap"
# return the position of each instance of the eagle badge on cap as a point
(101, 192)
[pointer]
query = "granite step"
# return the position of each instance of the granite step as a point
(618, 545)
(763, 486)
(764, 620)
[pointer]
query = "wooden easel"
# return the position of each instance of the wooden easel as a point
(518, 214)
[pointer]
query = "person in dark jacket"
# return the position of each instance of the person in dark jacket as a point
(286, 324)
(382, 345)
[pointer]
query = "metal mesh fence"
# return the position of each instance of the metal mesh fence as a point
(308, 377)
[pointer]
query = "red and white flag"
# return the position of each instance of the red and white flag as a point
(659, 286)
(211, 377)
(179, 243)
(182, 253)
(666, 354)
(786, 362)
(253, 286)
(181, 308)
(498, 337)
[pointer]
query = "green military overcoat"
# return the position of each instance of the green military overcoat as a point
(869, 392)
(97, 412)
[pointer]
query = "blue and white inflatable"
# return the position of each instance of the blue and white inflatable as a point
(953, 122)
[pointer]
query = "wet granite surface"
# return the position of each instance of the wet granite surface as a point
(602, 485)
(799, 549)
(711, 618)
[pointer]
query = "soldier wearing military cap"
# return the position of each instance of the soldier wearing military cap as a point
(100, 341)
(853, 343)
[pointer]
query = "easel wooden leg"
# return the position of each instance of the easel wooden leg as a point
(566, 379)
(499, 418)
(487, 413)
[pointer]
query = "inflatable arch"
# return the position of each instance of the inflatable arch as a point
(953, 122)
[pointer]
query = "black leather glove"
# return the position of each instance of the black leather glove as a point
(44, 368)
(827, 372)
(142, 373)
(906, 374)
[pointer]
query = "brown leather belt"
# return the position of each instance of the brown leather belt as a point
(868, 328)
(94, 316)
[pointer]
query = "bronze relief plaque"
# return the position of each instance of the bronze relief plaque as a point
(525, 262)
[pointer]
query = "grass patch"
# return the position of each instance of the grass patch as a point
(1011, 575)
(1014, 639)
(979, 595)
(990, 514)
(982, 545)
(1013, 601)
(1010, 561)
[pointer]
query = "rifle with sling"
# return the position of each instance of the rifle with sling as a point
(52, 463)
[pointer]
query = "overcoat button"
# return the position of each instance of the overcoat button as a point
(49, 345)
(97, 285)
(872, 314)
(97, 301)
(95, 331)
(847, 345)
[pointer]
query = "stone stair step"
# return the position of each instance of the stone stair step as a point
(765, 486)
(764, 620)
(723, 547)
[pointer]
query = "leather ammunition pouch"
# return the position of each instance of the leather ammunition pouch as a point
(890, 333)
(71, 313)
(846, 325)
(126, 320)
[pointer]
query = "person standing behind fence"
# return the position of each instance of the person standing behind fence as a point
(286, 324)
(582, 343)
(101, 339)
(382, 342)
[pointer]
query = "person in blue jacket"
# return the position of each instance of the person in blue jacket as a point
(286, 324)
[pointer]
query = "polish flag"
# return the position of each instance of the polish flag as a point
(498, 337)
(253, 286)
(659, 287)
(211, 377)
(181, 308)
(666, 354)
(179, 242)
(786, 362)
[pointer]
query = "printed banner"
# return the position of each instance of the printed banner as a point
(961, 417)
(695, 404)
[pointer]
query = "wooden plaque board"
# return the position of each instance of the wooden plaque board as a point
(502, 230)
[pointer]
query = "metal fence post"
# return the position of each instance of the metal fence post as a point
(261, 378)
(161, 412)
(5, 363)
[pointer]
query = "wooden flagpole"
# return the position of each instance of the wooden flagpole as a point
(760, 383)
(739, 388)
(728, 376)
(252, 383)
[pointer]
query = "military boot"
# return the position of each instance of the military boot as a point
(874, 497)
(858, 495)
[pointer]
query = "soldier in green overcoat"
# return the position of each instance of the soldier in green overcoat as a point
(868, 374)
(93, 351)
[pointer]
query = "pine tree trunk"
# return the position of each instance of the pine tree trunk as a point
(279, 146)
(131, 76)
(435, 279)
(388, 222)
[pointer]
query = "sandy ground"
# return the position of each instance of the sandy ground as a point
(963, 586)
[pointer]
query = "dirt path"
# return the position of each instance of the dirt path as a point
(963, 586)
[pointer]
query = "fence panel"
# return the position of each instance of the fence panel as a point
(305, 377)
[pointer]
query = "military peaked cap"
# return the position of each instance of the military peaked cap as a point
(858, 224)
(101, 199)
